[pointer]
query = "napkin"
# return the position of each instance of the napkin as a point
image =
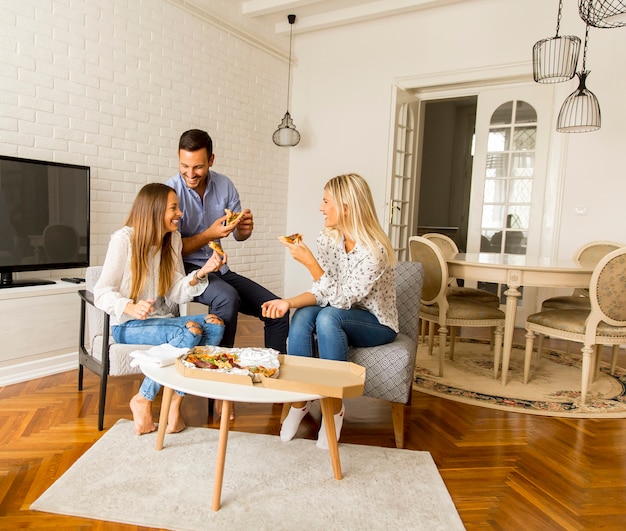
(160, 356)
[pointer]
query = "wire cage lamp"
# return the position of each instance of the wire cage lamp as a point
(287, 135)
(580, 112)
(603, 13)
(555, 58)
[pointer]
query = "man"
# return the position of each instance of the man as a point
(203, 194)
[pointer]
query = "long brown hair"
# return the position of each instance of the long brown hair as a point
(360, 221)
(149, 234)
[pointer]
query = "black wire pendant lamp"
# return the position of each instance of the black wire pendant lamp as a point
(287, 135)
(603, 13)
(580, 112)
(555, 58)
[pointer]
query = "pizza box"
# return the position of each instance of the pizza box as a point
(337, 379)
(215, 376)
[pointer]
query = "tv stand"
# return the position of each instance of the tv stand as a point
(6, 281)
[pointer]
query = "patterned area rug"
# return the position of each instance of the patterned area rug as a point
(553, 389)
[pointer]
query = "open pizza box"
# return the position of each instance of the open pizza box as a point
(337, 379)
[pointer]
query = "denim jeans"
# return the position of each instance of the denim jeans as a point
(171, 330)
(336, 331)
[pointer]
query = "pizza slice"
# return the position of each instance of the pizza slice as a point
(292, 238)
(232, 216)
(217, 247)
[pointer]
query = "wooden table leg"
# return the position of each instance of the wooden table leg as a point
(165, 410)
(221, 454)
(512, 296)
(329, 422)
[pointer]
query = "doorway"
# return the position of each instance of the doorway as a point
(446, 169)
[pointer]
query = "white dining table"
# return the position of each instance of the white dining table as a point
(515, 270)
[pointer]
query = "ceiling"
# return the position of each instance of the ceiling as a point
(314, 15)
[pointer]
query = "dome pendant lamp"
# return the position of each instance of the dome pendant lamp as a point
(287, 135)
(580, 112)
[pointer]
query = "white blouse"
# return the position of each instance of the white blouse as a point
(355, 280)
(112, 291)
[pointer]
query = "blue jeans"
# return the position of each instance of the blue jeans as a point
(230, 293)
(171, 330)
(336, 331)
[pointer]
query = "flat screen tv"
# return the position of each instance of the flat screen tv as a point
(44, 218)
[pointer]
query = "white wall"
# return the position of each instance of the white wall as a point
(342, 97)
(113, 83)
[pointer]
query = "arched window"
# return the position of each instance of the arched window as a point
(509, 172)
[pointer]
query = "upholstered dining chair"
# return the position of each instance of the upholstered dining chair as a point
(437, 307)
(390, 368)
(603, 324)
(588, 255)
(96, 349)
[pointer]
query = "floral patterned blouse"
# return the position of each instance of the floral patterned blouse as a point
(355, 280)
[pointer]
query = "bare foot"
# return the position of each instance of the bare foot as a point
(142, 415)
(175, 421)
(217, 410)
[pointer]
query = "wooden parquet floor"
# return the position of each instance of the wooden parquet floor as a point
(503, 470)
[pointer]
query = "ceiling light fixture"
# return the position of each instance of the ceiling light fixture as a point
(287, 135)
(580, 112)
(555, 58)
(603, 13)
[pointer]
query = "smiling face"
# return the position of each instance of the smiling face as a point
(329, 210)
(172, 213)
(194, 168)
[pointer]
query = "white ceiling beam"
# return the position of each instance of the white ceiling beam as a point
(257, 8)
(359, 13)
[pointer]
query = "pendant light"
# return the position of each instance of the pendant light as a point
(603, 13)
(580, 112)
(287, 135)
(555, 59)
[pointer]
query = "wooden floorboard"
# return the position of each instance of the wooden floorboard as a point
(503, 470)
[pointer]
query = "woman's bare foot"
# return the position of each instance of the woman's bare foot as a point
(217, 410)
(175, 421)
(142, 415)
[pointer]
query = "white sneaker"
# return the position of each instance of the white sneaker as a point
(292, 421)
(322, 440)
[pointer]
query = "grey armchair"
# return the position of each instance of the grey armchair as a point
(390, 367)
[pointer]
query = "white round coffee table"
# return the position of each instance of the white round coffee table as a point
(172, 380)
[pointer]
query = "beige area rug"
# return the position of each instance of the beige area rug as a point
(553, 389)
(268, 484)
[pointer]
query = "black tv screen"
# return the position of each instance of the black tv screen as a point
(44, 218)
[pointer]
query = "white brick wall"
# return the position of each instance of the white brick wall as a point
(113, 83)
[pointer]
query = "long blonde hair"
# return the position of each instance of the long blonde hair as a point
(359, 221)
(146, 219)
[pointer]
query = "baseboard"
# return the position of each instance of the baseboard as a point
(30, 370)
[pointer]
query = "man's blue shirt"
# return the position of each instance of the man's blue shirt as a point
(198, 215)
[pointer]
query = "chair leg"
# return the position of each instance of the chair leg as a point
(423, 328)
(498, 335)
(596, 365)
(397, 414)
(80, 377)
(102, 400)
(614, 352)
(528, 353)
(443, 332)
(452, 341)
(587, 352)
(431, 337)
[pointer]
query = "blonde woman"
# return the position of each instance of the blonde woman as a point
(352, 300)
(142, 282)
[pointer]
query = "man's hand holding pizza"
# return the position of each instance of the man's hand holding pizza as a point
(244, 226)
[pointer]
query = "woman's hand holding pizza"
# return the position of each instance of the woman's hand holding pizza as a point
(274, 309)
(212, 264)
